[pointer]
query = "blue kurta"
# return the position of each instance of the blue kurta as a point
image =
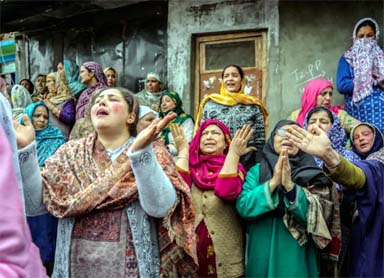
(371, 108)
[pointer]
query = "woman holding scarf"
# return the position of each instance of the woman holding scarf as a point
(360, 75)
(286, 202)
(171, 102)
(235, 109)
(210, 166)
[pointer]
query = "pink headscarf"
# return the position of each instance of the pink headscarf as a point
(206, 168)
(19, 257)
(309, 98)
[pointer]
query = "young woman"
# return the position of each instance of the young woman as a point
(360, 74)
(111, 75)
(114, 218)
(171, 102)
(235, 109)
(210, 165)
(285, 200)
(366, 178)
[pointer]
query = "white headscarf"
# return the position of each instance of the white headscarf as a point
(144, 110)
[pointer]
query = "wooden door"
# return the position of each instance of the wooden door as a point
(214, 52)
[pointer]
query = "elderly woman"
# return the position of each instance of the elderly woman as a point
(318, 92)
(114, 218)
(235, 108)
(285, 200)
(48, 140)
(360, 74)
(211, 168)
(60, 101)
(171, 102)
(150, 95)
(111, 75)
(366, 178)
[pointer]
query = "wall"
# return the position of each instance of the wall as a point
(186, 18)
(313, 36)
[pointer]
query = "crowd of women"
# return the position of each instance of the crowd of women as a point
(101, 182)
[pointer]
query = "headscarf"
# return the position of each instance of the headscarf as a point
(112, 69)
(367, 60)
(88, 92)
(206, 168)
(230, 99)
(153, 75)
(337, 136)
(20, 98)
(19, 257)
(377, 143)
(144, 110)
(72, 73)
(62, 92)
(179, 110)
(7, 124)
(309, 98)
(48, 139)
(304, 171)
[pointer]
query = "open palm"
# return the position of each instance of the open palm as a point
(25, 134)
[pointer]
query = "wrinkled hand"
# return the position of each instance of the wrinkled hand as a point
(240, 141)
(286, 179)
(316, 143)
(145, 137)
(181, 141)
(25, 134)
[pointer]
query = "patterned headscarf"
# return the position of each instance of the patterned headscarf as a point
(367, 60)
(181, 115)
(378, 140)
(88, 92)
(62, 92)
(309, 98)
(72, 73)
(206, 168)
(337, 136)
(20, 98)
(48, 139)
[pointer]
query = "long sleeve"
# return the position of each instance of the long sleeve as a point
(344, 77)
(68, 112)
(156, 192)
(32, 181)
(298, 206)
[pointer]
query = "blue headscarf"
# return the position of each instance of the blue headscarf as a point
(377, 143)
(336, 135)
(48, 139)
(72, 74)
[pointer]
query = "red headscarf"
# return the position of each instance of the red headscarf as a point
(206, 168)
(309, 98)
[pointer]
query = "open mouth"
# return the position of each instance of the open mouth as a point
(102, 112)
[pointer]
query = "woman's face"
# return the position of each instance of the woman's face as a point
(212, 141)
(232, 80)
(110, 110)
(86, 75)
(145, 121)
(152, 85)
(365, 32)
(325, 97)
(40, 117)
(51, 85)
(363, 138)
(26, 85)
(280, 142)
(40, 83)
(167, 104)
(320, 119)
(111, 78)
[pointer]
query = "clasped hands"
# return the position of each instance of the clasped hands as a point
(282, 173)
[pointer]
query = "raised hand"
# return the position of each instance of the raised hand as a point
(277, 173)
(25, 134)
(286, 179)
(145, 137)
(240, 140)
(181, 141)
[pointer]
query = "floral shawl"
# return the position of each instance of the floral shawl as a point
(338, 139)
(88, 92)
(206, 168)
(367, 60)
(63, 92)
(309, 98)
(179, 110)
(74, 186)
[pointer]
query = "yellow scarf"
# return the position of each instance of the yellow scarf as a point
(231, 99)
